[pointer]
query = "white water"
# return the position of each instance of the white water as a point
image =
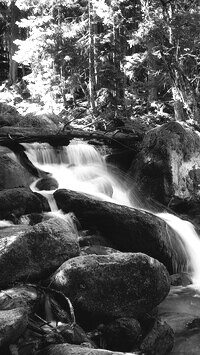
(189, 236)
(80, 167)
(4, 223)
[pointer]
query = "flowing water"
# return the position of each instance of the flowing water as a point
(80, 167)
(4, 223)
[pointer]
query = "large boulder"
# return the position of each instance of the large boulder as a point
(106, 287)
(12, 173)
(20, 201)
(168, 164)
(34, 252)
(129, 229)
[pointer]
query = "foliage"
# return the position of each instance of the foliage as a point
(142, 55)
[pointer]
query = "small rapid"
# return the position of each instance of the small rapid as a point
(81, 168)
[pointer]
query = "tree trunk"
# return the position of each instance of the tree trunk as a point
(179, 111)
(184, 96)
(91, 59)
(96, 44)
(152, 83)
(117, 56)
(151, 61)
(14, 32)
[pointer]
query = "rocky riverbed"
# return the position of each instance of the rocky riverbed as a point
(93, 278)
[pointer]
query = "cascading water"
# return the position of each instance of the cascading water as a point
(189, 236)
(80, 167)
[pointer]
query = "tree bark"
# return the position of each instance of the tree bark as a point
(91, 59)
(179, 111)
(63, 138)
(151, 61)
(14, 33)
(117, 57)
(152, 84)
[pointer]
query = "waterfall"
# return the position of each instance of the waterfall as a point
(189, 236)
(80, 167)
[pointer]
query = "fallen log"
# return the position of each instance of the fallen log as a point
(116, 138)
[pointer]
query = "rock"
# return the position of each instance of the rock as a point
(187, 208)
(168, 164)
(98, 250)
(31, 219)
(22, 296)
(12, 173)
(12, 324)
(64, 349)
(34, 252)
(88, 239)
(122, 334)
(18, 202)
(47, 183)
(128, 229)
(106, 287)
(181, 279)
(159, 341)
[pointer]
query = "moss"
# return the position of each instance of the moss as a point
(172, 136)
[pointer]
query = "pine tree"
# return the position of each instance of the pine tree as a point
(111, 49)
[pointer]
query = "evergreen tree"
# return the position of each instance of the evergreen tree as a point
(107, 50)
(170, 36)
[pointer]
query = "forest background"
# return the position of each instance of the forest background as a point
(106, 63)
